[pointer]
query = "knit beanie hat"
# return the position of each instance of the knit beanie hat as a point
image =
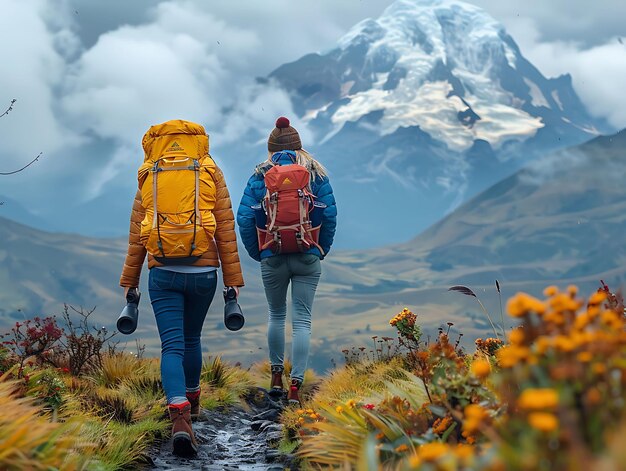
(283, 137)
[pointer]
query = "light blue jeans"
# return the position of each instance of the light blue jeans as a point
(303, 272)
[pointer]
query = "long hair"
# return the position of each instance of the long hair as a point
(306, 160)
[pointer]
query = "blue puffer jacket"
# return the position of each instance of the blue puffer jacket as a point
(254, 194)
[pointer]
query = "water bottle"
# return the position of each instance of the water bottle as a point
(233, 317)
(127, 322)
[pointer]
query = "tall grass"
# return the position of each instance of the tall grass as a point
(29, 440)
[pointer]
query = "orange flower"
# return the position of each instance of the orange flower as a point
(598, 368)
(534, 399)
(543, 421)
(441, 425)
(480, 368)
(522, 304)
(432, 451)
(550, 291)
(464, 451)
(511, 355)
(415, 461)
(402, 448)
(516, 336)
(597, 298)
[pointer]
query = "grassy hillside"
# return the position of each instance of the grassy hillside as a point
(561, 222)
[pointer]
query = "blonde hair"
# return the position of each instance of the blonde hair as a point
(306, 160)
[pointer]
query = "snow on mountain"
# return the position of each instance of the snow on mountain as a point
(416, 37)
(444, 66)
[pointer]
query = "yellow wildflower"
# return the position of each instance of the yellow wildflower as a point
(339, 409)
(598, 368)
(464, 451)
(511, 355)
(300, 420)
(608, 318)
(550, 291)
(441, 425)
(415, 461)
(564, 344)
(584, 357)
(351, 403)
(543, 421)
(522, 304)
(475, 416)
(597, 298)
(538, 398)
(475, 411)
(543, 344)
(480, 368)
(516, 337)
(432, 451)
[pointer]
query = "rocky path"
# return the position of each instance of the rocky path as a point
(237, 438)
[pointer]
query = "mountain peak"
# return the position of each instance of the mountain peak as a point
(445, 66)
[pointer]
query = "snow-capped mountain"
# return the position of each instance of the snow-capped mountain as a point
(428, 104)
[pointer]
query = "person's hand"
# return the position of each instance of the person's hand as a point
(126, 290)
(236, 288)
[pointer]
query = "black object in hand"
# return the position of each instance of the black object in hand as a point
(233, 317)
(127, 322)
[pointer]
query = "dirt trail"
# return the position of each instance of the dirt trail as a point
(237, 438)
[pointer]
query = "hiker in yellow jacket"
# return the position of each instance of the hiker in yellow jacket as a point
(183, 220)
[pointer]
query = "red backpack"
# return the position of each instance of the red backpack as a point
(288, 206)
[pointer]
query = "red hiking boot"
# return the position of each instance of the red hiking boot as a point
(276, 386)
(194, 401)
(293, 396)
(182, 434)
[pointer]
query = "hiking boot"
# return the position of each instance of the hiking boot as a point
(276, 386)
(182, 434)
(292, 396)
(194, 401)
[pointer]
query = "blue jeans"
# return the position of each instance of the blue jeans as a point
(303, 272)
(180, 302)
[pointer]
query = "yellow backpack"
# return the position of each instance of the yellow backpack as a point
(177, 192)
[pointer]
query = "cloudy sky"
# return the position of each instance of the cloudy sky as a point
(90, 75)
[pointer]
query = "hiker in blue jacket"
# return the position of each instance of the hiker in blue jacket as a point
(301, 269)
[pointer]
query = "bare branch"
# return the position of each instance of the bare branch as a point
(9, 109)
(24, 167)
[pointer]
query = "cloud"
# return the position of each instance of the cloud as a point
(170, 68)
(90, 76)
(563, 20)
(32, 69)
(597, 71)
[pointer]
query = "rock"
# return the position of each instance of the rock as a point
(272, 427)
(257, 424)
(273, 437)
(271, 415)
(271, 455)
